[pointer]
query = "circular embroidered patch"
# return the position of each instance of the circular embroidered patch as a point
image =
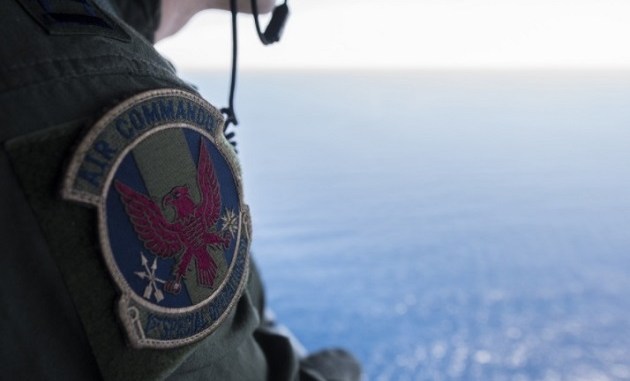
(174, 231)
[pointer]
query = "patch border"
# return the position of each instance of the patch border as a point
(126, 294)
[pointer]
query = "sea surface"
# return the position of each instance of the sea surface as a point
(444, 225)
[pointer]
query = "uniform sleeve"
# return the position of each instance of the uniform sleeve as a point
(42, 337)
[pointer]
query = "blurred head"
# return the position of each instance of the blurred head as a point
(176, 13)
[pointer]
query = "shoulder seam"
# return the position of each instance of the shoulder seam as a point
(118, 64)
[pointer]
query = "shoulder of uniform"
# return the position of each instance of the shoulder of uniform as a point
(70, 39)
(141, 15)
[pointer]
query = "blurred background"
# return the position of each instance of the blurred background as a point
(441, 187)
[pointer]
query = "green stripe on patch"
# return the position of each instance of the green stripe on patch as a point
(163, 160)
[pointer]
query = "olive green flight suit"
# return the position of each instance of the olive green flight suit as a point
(63, 64)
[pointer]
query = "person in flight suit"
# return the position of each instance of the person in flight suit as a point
(123, 228)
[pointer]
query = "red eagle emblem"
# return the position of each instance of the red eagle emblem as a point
(191, 231)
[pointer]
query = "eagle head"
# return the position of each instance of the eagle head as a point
(179, 198)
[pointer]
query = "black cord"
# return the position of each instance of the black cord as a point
(230, 115)
(272, 34)
(255, 13)
(274, 29)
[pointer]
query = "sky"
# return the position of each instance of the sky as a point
(417, 34)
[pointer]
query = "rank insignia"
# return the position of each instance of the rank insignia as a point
(173, 228)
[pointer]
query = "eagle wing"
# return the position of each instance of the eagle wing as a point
(210, 208)
(158, 235)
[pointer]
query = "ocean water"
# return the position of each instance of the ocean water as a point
(444, 225)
